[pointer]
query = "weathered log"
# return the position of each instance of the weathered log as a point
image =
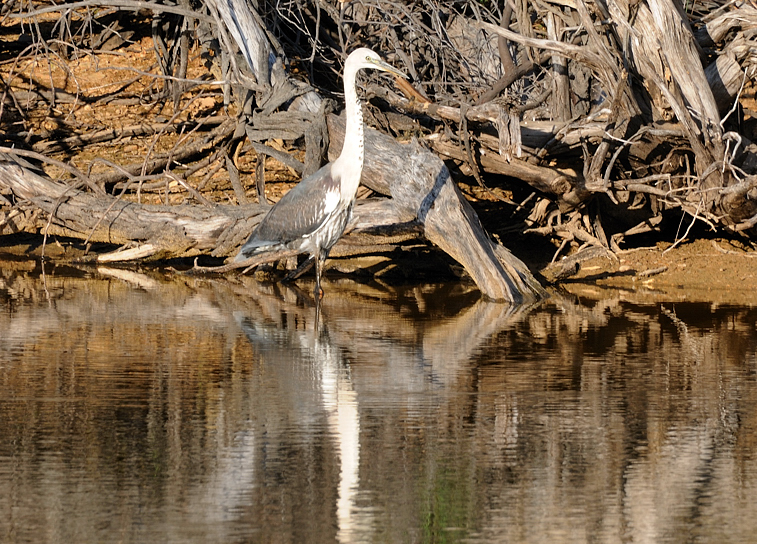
(422, 190)
(160, 231)
(726, 76)
(418, 181)
(662, 50)
(563, 183)
(720, 22)
(726, 79)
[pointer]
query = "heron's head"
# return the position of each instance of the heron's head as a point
(366, 58)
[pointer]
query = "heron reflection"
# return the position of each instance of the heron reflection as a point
(321, 371)
(316, 372)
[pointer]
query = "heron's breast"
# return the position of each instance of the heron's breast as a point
(331, 201)
(331, 230)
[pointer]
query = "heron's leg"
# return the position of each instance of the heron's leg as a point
(318, 270)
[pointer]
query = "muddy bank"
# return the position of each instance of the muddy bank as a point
(716, 270)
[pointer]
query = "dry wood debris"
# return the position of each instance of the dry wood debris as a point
(590, 121)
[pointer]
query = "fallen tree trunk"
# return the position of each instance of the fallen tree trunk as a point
(419, 183)
(422, 190)
(159, 231)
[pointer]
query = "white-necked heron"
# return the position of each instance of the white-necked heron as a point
(312, 216)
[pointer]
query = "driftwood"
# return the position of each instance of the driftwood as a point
(418, 181)
(422, 191)
(606, 117)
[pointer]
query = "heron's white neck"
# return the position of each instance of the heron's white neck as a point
(353, 152)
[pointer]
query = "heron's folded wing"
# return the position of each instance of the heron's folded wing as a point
(300, 212)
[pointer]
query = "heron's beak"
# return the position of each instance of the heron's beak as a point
(386, 67)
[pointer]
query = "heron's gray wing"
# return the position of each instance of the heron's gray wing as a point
(299, 212)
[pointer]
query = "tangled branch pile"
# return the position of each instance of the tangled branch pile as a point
(613, 112)
(590, 120)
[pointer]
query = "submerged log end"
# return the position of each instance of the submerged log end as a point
(422, 190)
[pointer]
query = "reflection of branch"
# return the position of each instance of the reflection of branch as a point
(357, 320)
(134, 278)
(676, 321)
(452, 344)
(687, 340)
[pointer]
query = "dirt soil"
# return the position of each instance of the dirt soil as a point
(716, 270)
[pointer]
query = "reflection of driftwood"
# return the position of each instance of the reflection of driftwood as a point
(353, 322)
(530, 393)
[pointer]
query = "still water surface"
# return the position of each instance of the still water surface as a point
(138, 408)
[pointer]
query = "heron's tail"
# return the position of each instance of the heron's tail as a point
(251, 248)
(245, 252)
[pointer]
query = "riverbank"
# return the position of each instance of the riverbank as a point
(714, 270)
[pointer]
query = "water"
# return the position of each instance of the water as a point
(141, 408)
